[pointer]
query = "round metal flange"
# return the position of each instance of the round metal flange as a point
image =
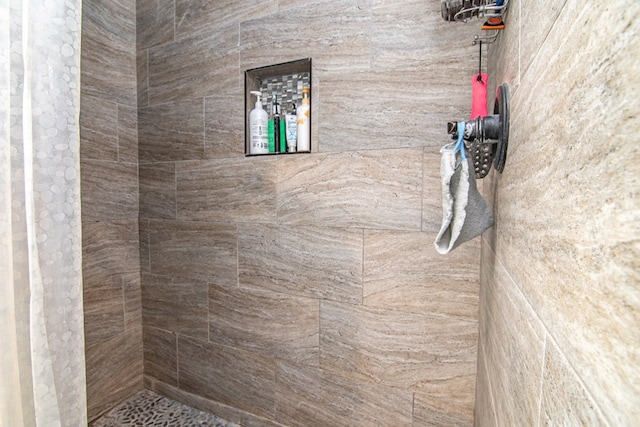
(501, 107)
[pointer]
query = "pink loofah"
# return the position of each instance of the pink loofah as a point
(479, 96)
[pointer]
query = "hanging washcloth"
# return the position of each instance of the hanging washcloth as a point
(465, 214)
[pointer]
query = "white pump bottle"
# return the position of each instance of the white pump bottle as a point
(258, 127)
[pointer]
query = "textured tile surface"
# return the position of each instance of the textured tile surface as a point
(98, 129)
(114, 368)
(224, 125)
(226, 190)
(311, 31)
(564, 399)
(154, 22)
(230, 376)
(160, 355)
(197, 250)
(147, 408)
(173, 131)
(109, 190)
(427, 412)
(567, 222)
(194, 66)
(157, 190)
(127, 134)
(514, 341)
(273, 324)
(403, 271)
(395, 348)
(176, 305)
(307, 261)
(376, 189)
(307, 396)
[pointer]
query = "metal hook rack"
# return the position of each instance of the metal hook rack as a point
(463, 10)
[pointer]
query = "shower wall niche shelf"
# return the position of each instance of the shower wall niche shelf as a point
(286, 80)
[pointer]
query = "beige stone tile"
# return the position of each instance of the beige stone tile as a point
(98, 129)
(402, 270)
(513, 339)
(197, 250)
(103, 311)
(114, 371)
(335, 33)
(132, 294)
(201, 15)
(195, 66)
(503, 59)
(273, 324)
(416, 35)
(142, 74)
(377, 109)
(229, 413)
(160, 355)
(306, 261)
(144, 246)
(154, 22)
(432, 191)
(175, 304)
(109, 190)
(438, 408)
(230, 376)
(569, 235)
(308, 396)
(224, 125)
(127, 134)
(227, 190)
(110, 250)
(173, 131)
(564, 400)
(484, 414)
(108, 51)
(157, 190)
(395, 348)
(372, 189)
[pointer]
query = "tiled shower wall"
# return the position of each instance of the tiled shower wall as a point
(109, 161)
(305, 289)
(560, 302)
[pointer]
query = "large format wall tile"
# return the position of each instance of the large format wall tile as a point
(108, 51)
(199, 16)
(194, 67)
(198, 250)
(231, 376)
(335, 33)
(176, 305)
(568, 224)
(160, 355)
(127, 134)
(173, 131)
(103, 311)
(227, 190)
(154, 22)
(428, 411)
(395, 348)
(402, 270)
(514, 339)
(432, 191)
(373, 189)
(157, 190)
(307, 261)
(565, 402)
(273, 324)
(307, 396)
(98, 129)
(356, 115)
(109, 190)
(224, 125)
(114, 369)
(132, 290)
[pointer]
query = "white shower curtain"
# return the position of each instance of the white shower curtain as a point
(42, 371)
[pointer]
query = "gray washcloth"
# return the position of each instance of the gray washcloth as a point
(465, 214)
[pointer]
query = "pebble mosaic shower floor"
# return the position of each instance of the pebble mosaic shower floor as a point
(147, 408)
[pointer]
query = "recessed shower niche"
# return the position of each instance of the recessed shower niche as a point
(283, 85)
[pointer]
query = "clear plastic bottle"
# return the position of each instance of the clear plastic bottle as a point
(304, 122)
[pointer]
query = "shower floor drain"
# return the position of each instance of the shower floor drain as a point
(147, 408)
